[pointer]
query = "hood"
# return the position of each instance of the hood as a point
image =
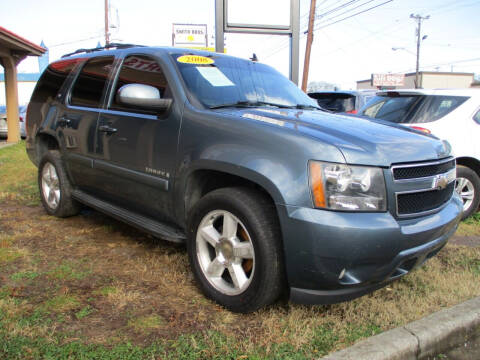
(361, 141)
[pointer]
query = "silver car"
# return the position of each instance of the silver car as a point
(22, 114)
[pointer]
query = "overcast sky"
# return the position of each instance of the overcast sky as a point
(342, 53)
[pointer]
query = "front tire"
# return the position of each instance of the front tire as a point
(54, 186)
(234, 249)
(467, 186)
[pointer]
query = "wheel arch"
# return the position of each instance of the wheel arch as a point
(43, 143)
(469, 162)
(202, 180)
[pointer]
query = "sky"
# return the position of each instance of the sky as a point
(342, 52)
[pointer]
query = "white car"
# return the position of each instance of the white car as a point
(450, 114)
(22, 113)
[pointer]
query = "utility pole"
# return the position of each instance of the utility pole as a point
(308, 48)
(419, 20)
(107, 35)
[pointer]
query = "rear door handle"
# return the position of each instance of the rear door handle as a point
(107, 129)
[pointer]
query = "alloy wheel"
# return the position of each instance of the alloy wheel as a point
(50, 186)
(225, 252)
(465, 189)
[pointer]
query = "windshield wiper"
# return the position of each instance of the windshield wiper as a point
(307, 107)
(249, 104)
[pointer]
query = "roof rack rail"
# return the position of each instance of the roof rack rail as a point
(106, 47)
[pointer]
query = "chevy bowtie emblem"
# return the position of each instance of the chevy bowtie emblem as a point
(440, 182)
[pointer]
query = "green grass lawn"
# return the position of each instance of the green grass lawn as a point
(89, 287)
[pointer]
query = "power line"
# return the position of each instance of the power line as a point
(351, 2)
(337, 8)
(351, 9)
(75, 41)
(348, 17)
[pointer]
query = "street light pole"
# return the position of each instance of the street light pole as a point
(419, 20)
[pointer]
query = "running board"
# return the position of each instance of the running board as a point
(141, 222)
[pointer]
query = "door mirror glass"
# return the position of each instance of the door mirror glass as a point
(142, 96)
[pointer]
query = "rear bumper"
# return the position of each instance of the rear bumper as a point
(333, 256)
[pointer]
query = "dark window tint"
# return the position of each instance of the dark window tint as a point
(476, 117)
(90, 83)
(412, 108)
(335, 102)
(139, 69)
(48, 87)
(52, 80)
(394, 109)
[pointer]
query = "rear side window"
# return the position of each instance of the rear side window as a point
(139, 69)
(336, 102)
(476, 117)
(90, 84)
(412, 109)
(393, 109)
(52, 80)
(47, 88)
(436, 107)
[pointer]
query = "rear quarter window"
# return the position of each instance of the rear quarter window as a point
(393, 109)
(48, 87)
(436, 107)
(412, 108)
(52, 80)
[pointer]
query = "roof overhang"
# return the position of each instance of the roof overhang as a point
(17, 46)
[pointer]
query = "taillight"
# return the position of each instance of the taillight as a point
(426, 131)
(21, 118)
(352, 112)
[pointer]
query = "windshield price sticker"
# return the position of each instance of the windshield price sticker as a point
(195, 59)
(214, 76)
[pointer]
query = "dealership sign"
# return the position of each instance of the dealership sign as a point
(388, 79)
(189, 35)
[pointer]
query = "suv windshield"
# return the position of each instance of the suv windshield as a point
(411, 108)
(222, 81)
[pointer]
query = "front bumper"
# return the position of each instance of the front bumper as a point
(337, 256)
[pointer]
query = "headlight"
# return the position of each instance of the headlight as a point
(346, 187)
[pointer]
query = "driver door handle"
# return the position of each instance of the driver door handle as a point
(107, 129)
(64, 121)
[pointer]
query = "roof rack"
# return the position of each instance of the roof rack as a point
(106, 47)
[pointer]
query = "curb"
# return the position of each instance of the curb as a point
(420, 339)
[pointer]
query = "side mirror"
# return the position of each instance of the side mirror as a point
(142, 96)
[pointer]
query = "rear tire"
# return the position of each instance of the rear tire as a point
(234, 248)
(468, 187)
(54, 186)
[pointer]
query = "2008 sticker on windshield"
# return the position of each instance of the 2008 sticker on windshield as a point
(195, 59)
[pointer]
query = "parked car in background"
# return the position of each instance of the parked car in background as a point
(22, 114)
(450, 114)
(349, 101)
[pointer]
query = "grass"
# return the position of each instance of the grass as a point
(471, 226)
(18, 176)
(89, 287)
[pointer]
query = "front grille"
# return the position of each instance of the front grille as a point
(412, 172)
(418, 202)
